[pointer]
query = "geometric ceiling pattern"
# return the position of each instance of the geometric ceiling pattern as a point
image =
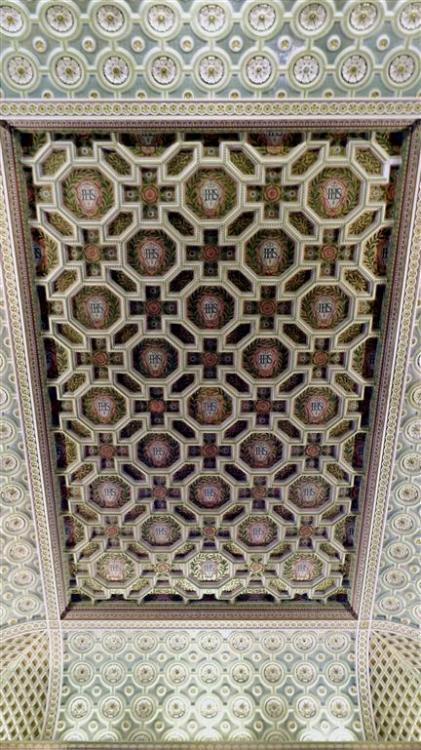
(210, 381)
(86, 79)
(225, 49)
(205, 685)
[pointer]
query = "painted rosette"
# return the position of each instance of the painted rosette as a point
(262, 19)
(160, 20)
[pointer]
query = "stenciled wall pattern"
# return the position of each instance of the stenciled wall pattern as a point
(226, 49)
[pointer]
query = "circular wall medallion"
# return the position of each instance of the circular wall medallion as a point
(401, 69)
(13, 21)
(160, 20)
(164, 71)
(68, 71)
(313, 18)
(211, 71)
(116, 71)
(261, 19)
(306, 70)
(211, 19)
(259, 69)
(20, 71)
(354, 69)
(110, 19)
(362, 18)
(60, 19)
(408, 20)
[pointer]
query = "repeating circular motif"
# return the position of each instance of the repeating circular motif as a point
(262, 19)
(306, 70)
(15, 524)
(143, 708)
(60, 19)
(177, 641)
(80, 708)
(7, 431)
(146, 642)
(12, 494)
(81, 643)
(23, 578)
(407, 493)
(110, 19)
(305, 673)
(313, 18)
(403, 523)
(336, 673)
(12, 20)
(339, 707)
(275, 708)
(402, 69)
(20, 71)
(113, 673)
(82, 673)
(242, 707)
(210, 642)
(116, 71)
(273, 641)
(211, 71)
(114, 642)
(164, 71)
(68, 70)
(161, 20)
(210, 673)
(412, 430)
(145, 673)
(211, 20)
(259, 69)
(396, 578)
(411, 463)
(304, 642)
(241, 673)
(336, 642)
(354, 69)
(177, 673)
(241, 641)
(362, 18)
(306, 707)
(273, 672)
(111, 708)
(18, 551)
(409, 18)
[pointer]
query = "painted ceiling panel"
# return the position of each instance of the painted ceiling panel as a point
(193, 50)
(210, 311)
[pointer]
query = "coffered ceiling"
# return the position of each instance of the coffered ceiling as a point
(210, 238)
(210, 381)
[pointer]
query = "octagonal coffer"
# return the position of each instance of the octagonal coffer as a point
(210, 406)
(316, 406)
(109, 492)
(115, 568)
(265, 358)
(257, 531)
(210, 307)
(334, 192)
(158, 451)
(309, 492)
(161, 531)
(324, 307)
(155, 358)
(87, 193)
(209, 492)
(103, 406)
(269, 252)
(96, 307)
(210, 193)
(261, 450)
(151, 252)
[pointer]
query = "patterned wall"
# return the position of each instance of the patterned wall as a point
(172, 351)
(253, 49)
(237, 685)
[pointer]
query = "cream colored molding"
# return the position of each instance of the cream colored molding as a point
(208, 746)
(393, 112)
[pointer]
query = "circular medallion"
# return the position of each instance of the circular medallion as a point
(306, 70)
(161, 20)
(402, 69)
(364, 17)
(110, 18)
(164, 71)
(116, 70)
(409, 19)
(259, 70)
(60, 19)
(20, 71)
(212, 71)
(313, 18)
(261, 19)
(68, 71)
(12, 20)
(212, 19)
(354, 70)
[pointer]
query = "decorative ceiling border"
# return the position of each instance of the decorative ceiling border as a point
(206, 746)
(400, 304)
(394, 112)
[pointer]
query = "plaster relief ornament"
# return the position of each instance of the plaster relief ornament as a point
(103, 406)
(11, 20)
(259, 70)
(306, 69)
(155, 358)
(110, 493)
(116, 70)
(20, 70)
(303, 569)
(262, 17)
(87, 193)
(210, 193)
(410, 17)
(96, 307)
(60, 18)
(110, 18)
(269, 252)
(210, 406)
(151, 253)
(68, 70)
(316, 406)
(161, 18)
(161, 531)
(210, 307)
(363, 17)
(261, 451)
(209, 492)
(164, 70)
(158, 451)
(257, 531)
(312, 17)
(354, 69)
(211, 70)
(210, 567)
(401, 69)
(324, 307)
(211, 18)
